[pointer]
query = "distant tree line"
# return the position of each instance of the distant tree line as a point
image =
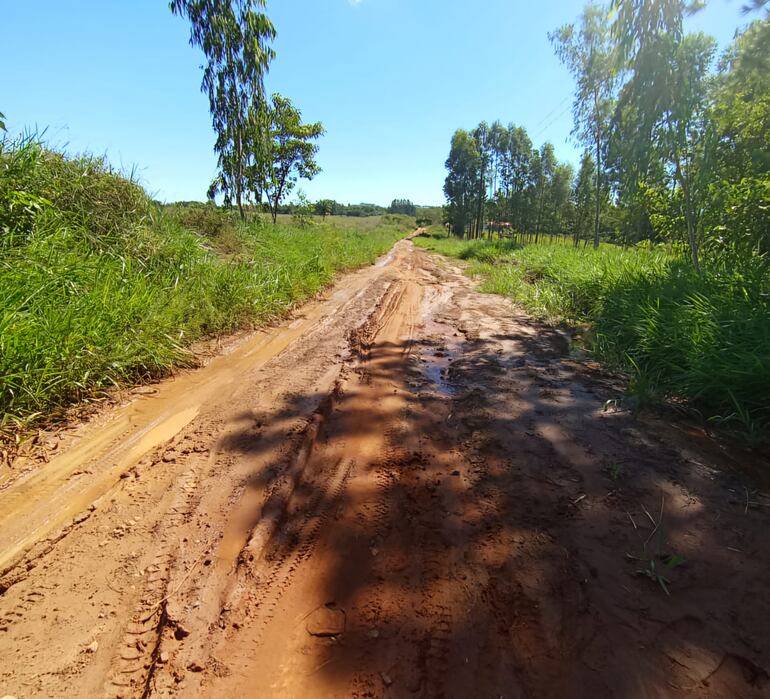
(331, 207)
(676, 140)
(402, 206)
(497, 176)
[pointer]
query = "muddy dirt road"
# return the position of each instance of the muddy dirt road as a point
(409, 490)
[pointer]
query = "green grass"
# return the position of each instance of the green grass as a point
(697, 340)
(100, 287)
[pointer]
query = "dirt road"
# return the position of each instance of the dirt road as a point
(409, 490)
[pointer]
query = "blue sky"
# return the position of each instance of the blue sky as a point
(390, 79)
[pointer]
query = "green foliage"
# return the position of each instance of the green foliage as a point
(402, 206)
(703, 338)
(105, 288)
(464, 166)
(217, 225)
(495, 177)
(589, 55)
(291, 152)
(615, 471)
(303, 210)
(234, 36)
(657, 570)
(86, 192)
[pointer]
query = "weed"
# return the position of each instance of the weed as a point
(657, 570)
(656, 566)
(616, 471)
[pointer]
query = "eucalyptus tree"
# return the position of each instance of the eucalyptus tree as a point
(543, 167)
(588, 52)
(582, 197)
(482, 136)
(498, 141)
(517, 175)
(464, 166)
(291, 150)
(663, 107)
(402, 206)
(235, 37)
(684, 133)
(559, 211)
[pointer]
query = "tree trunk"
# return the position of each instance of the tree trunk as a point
(597, 216)
(691, 231)
(689, 216)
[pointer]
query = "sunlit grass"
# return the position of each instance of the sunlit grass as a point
(703, 338)
(100, 287)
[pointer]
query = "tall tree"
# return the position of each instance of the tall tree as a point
(481, 135)
(559, 201)
(291, 152)
(543, 166)
(739, 196)
(234, 35)
(402, 206)
(684, 130)
(588, 53)
(464, 166)
(517, 176)
(582, 197)
(664, 105)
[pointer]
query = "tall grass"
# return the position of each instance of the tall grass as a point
(101, 287)
(703, 339)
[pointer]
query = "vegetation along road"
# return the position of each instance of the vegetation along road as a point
(409, 488)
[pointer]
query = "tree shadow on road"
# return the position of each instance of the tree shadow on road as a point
(510, 538)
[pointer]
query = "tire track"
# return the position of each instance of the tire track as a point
(135, 659)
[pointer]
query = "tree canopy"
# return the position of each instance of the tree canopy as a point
(235, 38)
(291, 151)
(677, 138)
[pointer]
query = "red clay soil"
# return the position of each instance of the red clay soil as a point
(410, 490)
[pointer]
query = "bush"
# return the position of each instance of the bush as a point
(84, 193)
(219, 226)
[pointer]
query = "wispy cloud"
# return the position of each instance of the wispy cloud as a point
(353, 3)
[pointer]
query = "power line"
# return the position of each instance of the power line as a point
(547, 116)
(553, 121)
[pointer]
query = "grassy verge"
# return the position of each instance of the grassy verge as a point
(697, 340)
(100, 287)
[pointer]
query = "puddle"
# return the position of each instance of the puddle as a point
(436, 367)
(441, 344)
